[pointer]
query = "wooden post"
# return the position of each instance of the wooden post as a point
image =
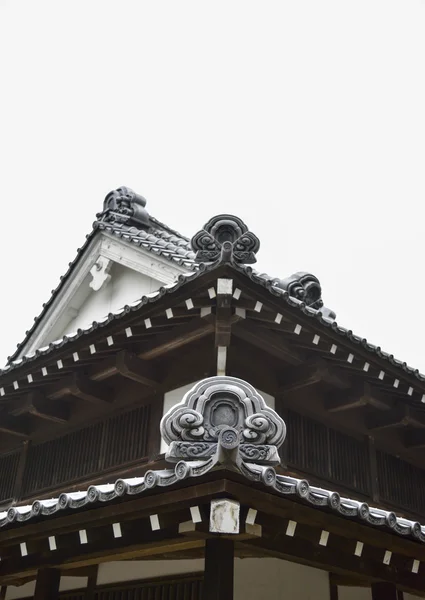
(219, 567)
(333, 589)
(47, 586)
(91, 584)
(383, 590)
(3, 591)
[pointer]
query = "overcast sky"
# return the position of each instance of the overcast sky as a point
(306, 118)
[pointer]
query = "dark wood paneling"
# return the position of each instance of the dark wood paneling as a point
(8, 470)
(400, 483)
(349, 464)
(118, 440)
(307, 442)
(327, 454)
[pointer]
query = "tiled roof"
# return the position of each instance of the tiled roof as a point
(163, 242)
(287, 486)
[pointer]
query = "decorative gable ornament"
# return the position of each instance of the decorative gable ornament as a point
(124, 206)
(225, 234)
(227, 411)
(221, 421)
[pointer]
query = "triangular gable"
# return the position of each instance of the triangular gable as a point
(121, 260)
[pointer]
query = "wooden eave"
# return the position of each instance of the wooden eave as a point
(26, 547)
(277, 347)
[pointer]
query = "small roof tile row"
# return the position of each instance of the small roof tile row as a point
(285, 485)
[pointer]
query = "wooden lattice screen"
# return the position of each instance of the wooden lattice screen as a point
(327, 454)
(118, 440)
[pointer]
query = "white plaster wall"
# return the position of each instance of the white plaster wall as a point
(272, 578)
(27, 590)
(175, 396)
(124, 287)
(255, 578)
(354, 593)
(410, 597)
(22, 591)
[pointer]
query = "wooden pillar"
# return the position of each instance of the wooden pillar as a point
(3, 591)
(333, 589)
(384, 591)
(219, 566)
(47, 586)
(91, 584)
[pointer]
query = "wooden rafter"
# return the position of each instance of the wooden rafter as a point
(358, 396)
(35, 404)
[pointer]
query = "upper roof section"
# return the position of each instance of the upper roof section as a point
(124, 217)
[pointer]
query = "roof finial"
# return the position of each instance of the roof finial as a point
(124, 206)
(229, 234)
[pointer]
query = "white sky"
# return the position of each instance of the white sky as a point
(306, 118)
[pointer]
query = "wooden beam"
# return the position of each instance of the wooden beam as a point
(37, 405)
(310, 373)
(47, 585)
(93, 553)
(13, 426)
(384, 420)
(382, 590)
(301, 376)
(131, 366)
(413, 439)
(91, 391)
(219, 569)
(268, 341)
(364, 395)
(348, 581)
(180, 336)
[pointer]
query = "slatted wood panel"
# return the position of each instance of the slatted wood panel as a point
(67, 458)
(349, 461)
(8, 469)
(400, 483)
(326, 453)
(116, 441)
(307, 444)
(126, 437)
